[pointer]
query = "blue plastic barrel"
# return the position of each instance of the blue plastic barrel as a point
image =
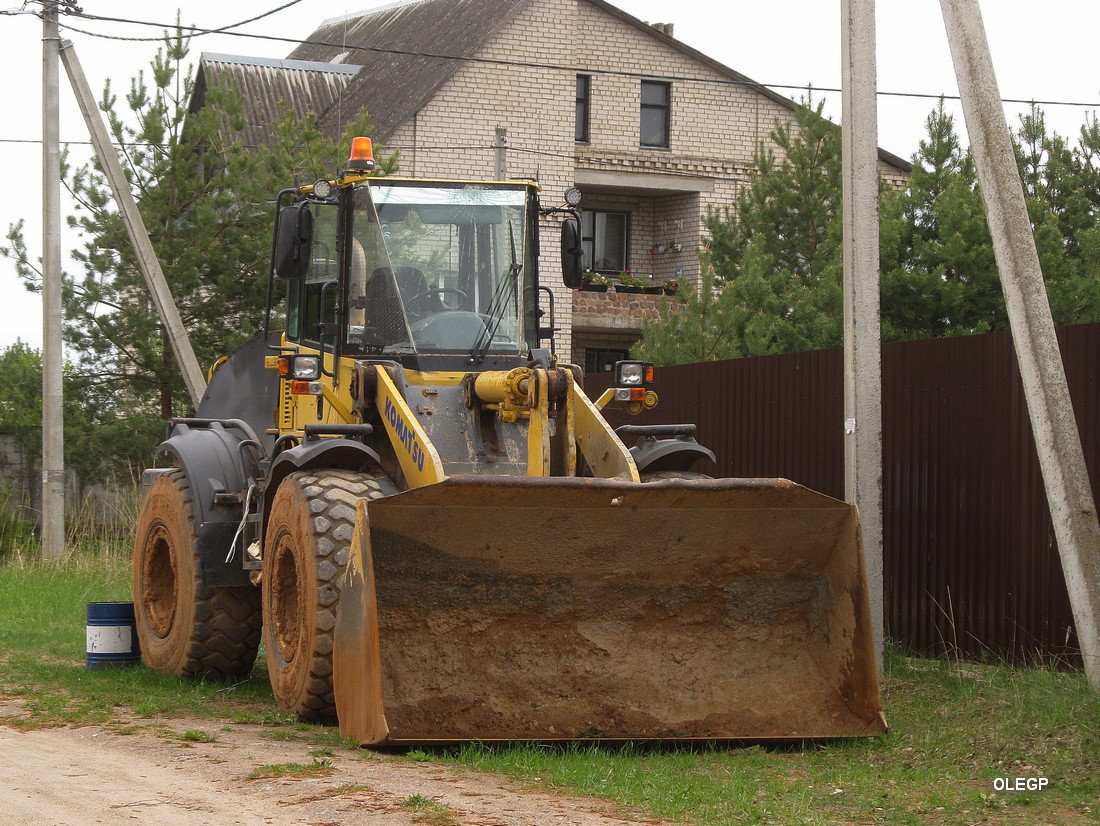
(112, 638)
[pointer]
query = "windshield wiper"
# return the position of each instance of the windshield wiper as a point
(509, 283)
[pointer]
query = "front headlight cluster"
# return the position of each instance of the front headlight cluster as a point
(631, 380)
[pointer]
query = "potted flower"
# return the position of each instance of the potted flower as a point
(627, 283)
(671, 287)
(594, 282)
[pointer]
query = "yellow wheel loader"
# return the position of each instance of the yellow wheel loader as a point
(439, 537)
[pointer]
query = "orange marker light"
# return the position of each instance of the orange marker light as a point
(362, 155)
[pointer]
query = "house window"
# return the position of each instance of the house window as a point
(584, 101)
(655, 113)
(598, 360)
(603, 240)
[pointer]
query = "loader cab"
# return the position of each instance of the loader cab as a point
(435, 275)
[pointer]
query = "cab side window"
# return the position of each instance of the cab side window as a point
(317, 298)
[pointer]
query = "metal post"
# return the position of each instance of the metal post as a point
(53, 444)
(862, 348)
(500, 161)
(1069, 494)
(135, 228)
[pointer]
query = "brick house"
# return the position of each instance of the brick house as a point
(568, 92)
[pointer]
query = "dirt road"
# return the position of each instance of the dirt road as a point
(152, 775)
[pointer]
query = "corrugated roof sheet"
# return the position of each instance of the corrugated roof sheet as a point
(267, 85)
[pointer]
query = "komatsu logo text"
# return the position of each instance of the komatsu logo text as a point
(405, 435)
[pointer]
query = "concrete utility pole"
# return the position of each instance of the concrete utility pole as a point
(1069, 494)
(135, 228)
(862, 348)
(53, 444)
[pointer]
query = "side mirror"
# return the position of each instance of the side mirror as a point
(571, 253)
(294, 241)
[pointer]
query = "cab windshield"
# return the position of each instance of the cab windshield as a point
(437, 268)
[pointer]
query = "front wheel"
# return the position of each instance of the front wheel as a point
(306, 549)
(186, 628)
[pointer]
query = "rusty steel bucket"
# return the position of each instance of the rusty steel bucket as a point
(485, 608)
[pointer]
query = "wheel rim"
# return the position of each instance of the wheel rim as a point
(286, 605)
(159, 591)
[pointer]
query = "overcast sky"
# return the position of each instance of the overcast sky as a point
(1041, 51)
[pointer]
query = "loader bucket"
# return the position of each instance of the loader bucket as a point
(490, 608)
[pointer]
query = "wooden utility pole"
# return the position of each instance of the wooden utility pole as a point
(135, 228)
(1065, 477)
(53, 444)
(862, 348)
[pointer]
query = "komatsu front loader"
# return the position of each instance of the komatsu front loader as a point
(439, 537)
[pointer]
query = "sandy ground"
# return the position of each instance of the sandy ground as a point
(93, 775)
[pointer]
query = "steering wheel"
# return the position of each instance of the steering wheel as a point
(439, 292)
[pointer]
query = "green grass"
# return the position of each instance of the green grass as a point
(427, 810)
(43, 614)
(955, 728)
(318, 768)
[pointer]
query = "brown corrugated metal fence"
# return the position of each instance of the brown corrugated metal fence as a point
(970, 562)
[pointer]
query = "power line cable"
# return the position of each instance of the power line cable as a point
(195, 31)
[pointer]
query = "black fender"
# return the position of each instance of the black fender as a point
(665, 447)
(241, 387)
(221, 460)
(328, 452)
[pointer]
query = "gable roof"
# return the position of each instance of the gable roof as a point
(411, 48)
(266, 85)
(408, 51)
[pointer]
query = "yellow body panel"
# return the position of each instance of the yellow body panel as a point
(597, 442)
(417, 456)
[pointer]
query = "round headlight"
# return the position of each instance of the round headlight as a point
(322, 188)
(306, 368)
(573, 196)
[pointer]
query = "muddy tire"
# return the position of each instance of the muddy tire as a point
(184, 627)
(306, 549)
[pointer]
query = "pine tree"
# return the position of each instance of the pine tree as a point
(939, 277)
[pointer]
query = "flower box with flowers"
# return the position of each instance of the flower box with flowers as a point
(628, 283)
(594, 282)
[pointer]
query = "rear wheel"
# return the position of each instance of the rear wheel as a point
(306, 549)
(184, 627)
